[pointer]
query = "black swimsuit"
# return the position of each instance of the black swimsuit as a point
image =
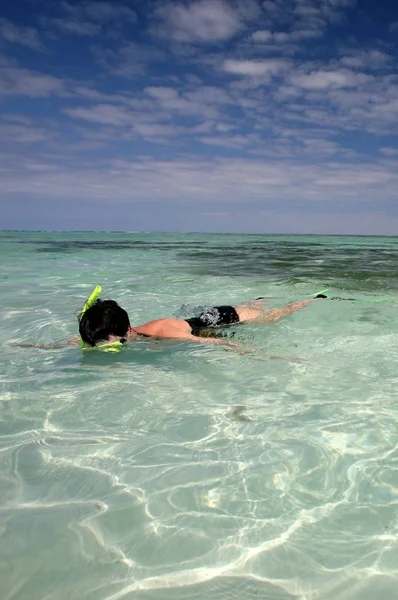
(213, 317)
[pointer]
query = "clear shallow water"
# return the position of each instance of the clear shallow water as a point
(176, 471)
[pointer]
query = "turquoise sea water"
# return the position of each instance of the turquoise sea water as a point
(175, 471)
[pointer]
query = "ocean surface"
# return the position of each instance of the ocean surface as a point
(180, 471)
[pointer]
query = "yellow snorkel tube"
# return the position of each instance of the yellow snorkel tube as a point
(111, 346)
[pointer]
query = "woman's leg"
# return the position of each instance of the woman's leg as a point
(262, 314)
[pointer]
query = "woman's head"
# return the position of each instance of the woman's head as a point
(102, 319)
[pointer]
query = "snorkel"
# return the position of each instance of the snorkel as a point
(108, 347)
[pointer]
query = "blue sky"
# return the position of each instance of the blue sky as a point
(211, 115)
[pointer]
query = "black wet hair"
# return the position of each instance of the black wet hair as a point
(102, 319)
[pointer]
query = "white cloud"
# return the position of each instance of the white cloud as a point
(127, 59)
(248, 9)
(301, 19)
(203, 102)
(201, 21)
(370, 59)
(284, 37)
(337, 99)
(225, 127)
(14, 81)
(324, 79)
(281, 37)
(262, 35)
(329, 221)
(302, 34)
(21, 133)
(230, 141)
(208, 95)
(100, 11)
(148, 130)
(162, 93)
(102, 113)
(90, 18)
(219, 182)
(253, 68)
(17, 118)
(333, 10)
(372, 109)
(90, 93)
(77, 27)
(26, 36)
(278, 10)
(388, 151)
(321, 147)
(7, 61)
(164, 134)
(388, 108)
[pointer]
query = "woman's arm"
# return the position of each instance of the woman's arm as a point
(61, 344)
(210, 340)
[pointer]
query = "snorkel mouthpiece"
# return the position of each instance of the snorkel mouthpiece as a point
(112, 346)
